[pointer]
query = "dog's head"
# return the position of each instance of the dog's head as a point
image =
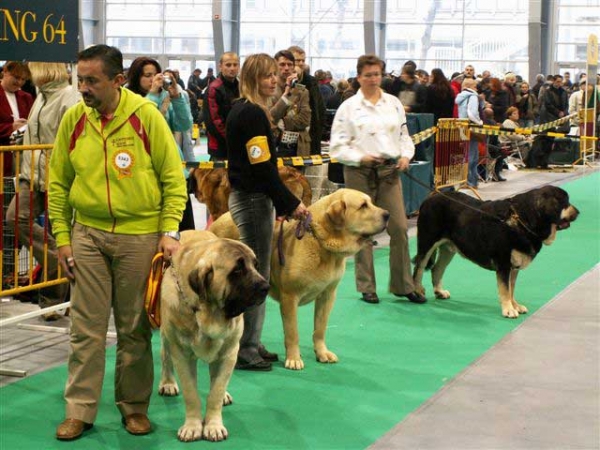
(350, 219)
(551, 211)
(222, 274)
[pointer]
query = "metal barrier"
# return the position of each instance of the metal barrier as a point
(20, 274)
(19, 269)
(451, 154)
(587, 134)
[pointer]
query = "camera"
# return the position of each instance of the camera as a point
(167, 82)
(293, 84)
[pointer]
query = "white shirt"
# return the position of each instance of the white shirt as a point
(12, 101)
(362, 128)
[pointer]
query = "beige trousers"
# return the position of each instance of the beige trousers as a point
(111, 271)
(382, 184)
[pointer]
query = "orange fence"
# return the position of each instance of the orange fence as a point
(20, 271)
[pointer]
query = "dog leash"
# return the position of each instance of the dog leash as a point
(301, 228)
(152, 296)
(515, 214)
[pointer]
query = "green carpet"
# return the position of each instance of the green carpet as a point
(393, 357)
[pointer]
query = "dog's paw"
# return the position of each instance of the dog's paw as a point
(521, 308)
(510, 313)
(214, 431)
(190, 431)
(326, 357)
(227, 399)
(169, 389)
(294, 364)
(442, 294)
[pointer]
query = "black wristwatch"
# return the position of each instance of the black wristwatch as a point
(172, 234)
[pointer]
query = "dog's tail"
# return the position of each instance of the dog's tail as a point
(416, 260)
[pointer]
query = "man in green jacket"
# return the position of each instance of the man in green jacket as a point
(116, 196)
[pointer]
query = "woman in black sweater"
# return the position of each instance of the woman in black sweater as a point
(440, 96)
(256, 189)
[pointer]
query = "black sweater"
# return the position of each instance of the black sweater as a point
(244, 122)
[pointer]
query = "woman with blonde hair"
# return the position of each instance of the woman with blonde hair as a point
(55, 96)
(256, 189)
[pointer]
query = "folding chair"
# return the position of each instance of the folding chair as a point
(486, 164)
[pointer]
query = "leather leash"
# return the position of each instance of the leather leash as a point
(515, 214)
(301, 228)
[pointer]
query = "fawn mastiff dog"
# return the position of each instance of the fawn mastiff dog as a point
(210, 283)
(341, 223)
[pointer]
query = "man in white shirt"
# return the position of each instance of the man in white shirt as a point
(370, 137)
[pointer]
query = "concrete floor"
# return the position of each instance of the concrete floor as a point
(539, 388)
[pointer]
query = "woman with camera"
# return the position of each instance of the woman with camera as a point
(145, 78)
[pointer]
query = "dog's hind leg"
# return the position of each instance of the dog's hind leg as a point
(168, 385)
(423, 261)
(289, 314)
(503, 277)
(445, 254)
(513, 281)
(323, 305)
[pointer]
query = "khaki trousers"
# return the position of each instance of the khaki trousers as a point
(382, 184)
(111, 271)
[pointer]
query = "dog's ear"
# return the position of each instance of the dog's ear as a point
(200, 279)
(336, 213)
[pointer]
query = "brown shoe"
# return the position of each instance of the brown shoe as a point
(137, 424)
(51, 316)
(370, 297)
(71, 429)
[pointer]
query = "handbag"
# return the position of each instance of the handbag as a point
(152, 297)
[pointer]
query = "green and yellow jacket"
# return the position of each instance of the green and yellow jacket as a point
(122, 176)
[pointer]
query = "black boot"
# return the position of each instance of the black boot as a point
(497, 170)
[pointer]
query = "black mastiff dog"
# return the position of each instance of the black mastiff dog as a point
(503, 236)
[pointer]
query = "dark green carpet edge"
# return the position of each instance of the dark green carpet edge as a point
(393, 357)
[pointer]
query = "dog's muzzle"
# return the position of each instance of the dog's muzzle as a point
(254, 297)
(572, 214)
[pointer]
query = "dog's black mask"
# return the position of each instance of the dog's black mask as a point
(242, 301)
(250, 289)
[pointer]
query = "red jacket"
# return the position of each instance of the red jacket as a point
(24, 102)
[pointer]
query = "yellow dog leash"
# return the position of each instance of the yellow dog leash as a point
(152, 298)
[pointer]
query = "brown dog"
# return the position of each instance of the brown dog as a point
(211, 187)
(341, 223)
(209, 284)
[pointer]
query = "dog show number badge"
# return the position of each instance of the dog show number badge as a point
(123, 162)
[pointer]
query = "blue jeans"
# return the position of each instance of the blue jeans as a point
(255, 217)
(472, 177)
